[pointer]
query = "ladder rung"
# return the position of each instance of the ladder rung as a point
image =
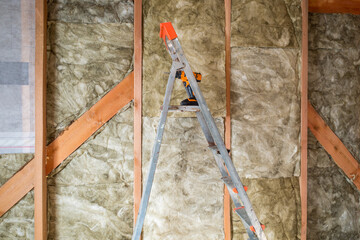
(183, 108)
(242, 213)
(213, 147)
(227, 180)
(235, 209)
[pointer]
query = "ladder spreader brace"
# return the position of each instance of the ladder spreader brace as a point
(230, 177)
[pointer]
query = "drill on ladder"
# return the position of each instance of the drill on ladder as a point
(191, 101)
(181, 69)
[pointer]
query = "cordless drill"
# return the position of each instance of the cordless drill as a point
(192, 99)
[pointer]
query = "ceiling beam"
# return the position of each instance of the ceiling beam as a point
(71, 139)
(333, 145)
(334, 6)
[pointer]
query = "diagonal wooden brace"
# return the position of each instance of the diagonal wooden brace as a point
(333, 145)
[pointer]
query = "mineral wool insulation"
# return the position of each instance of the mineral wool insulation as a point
(90, 51)
(186, 198)
(334, 91)
(200, 29)
(18, 222)
(91, 198)
(265, 108)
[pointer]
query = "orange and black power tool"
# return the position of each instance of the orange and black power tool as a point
(192, 99)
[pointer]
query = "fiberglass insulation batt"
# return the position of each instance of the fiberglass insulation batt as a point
(18, 222)
(90, 50)
(91, 198)
(334, 91)
(265, 111)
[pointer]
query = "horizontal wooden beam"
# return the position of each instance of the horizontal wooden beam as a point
(334, 146)
(334, 6)
(72, 138)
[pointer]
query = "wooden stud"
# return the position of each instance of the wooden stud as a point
(137, 104)
(335, 6)
(40, 186)
(72, 138)
(304, 117)
(227, 202)
(333, 145)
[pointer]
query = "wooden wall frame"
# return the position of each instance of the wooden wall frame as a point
(39, 174)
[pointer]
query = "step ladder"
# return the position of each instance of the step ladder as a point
(228, 172)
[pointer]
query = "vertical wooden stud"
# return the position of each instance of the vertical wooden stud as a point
(137, 104)
(40, 188)
(304, 118)
(227, 202)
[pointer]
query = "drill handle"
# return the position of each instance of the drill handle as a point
(189, 90)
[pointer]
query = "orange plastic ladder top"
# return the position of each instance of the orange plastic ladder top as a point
(167, 30)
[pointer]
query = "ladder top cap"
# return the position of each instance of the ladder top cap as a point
(167, 30)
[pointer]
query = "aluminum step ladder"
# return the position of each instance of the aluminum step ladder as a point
(228, 172)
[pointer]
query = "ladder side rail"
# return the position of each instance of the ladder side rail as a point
(205, 129)
(244, 219)
(155, 155)
(224, 173)
(219, 142)
(223, 151)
